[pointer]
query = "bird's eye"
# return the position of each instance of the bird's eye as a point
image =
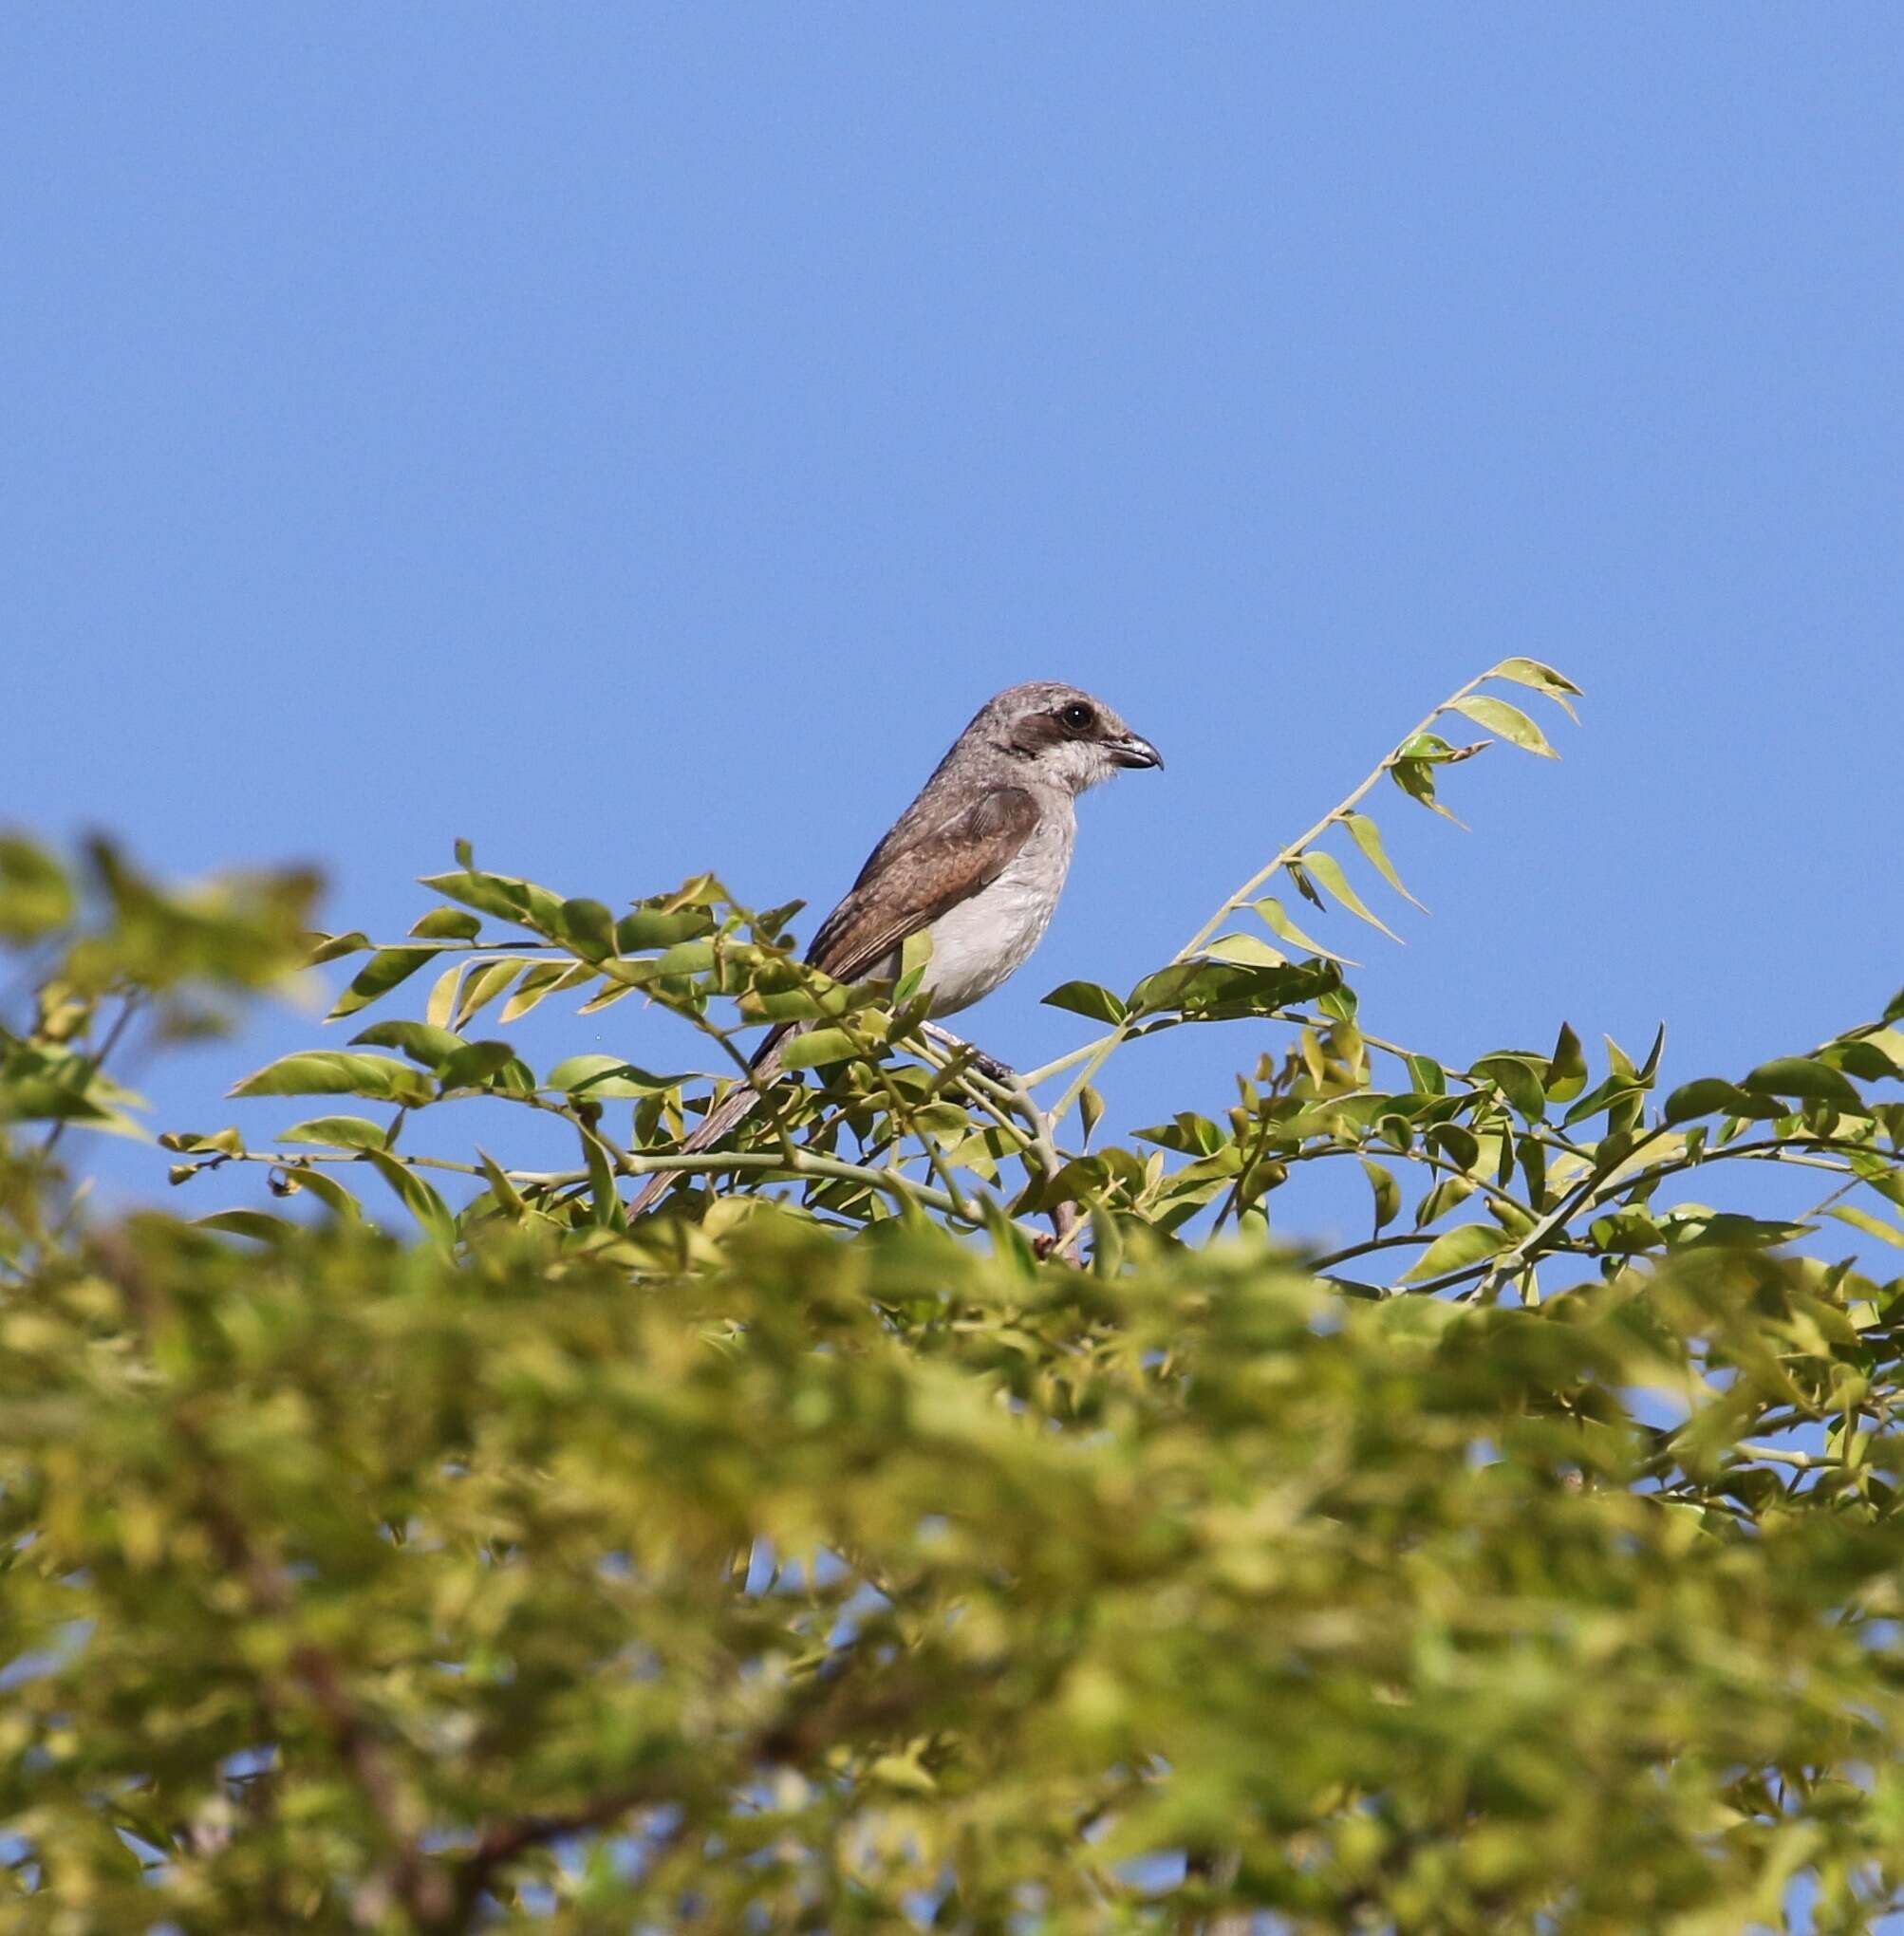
(1076, 717)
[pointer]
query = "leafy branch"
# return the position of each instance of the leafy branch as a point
(1412, 765)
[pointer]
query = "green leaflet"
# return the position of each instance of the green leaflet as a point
(330, 1072)
(1509, 721)
(1456, 1250)
(1327, 869)
(1368, 836)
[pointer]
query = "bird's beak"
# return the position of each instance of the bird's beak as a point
(1133, 752)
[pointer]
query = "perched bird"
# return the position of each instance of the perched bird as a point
(977, 861)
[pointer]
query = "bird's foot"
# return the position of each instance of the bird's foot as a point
(1067, 1221)
(987, 1066)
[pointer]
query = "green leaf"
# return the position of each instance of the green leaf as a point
(1387, 1194)
(914, 955)
(482, 986)
(1247, 951)
(503, 895)
(1435, 751)
(1693, 1229)
(443, 996)
(1566, 1068)
(332, 1072)
(771, 922)
(447, 925)
(1871, 1226)
(328, 1191)
(476, 1063)
(605, 1200)
(1455, 1250)
(1221, 991)
(379, 976)
(1449, 1194)
(1415, 777)
(804, 1005)
(1509, 721)
(588, 928)
(1711, 1096)
(1533, 1159)
(1542, 679)
(1607, 1094)
(1340, 1003)
(35, 895)
(1627, 1233)
(1187, 1132)
(331, 947)
(653, 928)
(189, 1143)
(815, 1046)
(687, 958)
(1881, 1172)
(1864, 1059)
(1650, 1067)
(1798, 1075)
(428, 1046)
(1368, 836)
(338, 1133)
(544, 980)
(1089, 1110)
(616, 991)
(1516, 1222)
(418, 1198)
(1271, 913)
(1329, 870)
(33, 1098)
(1305, 885)
(606, 1076)
(1087, 999)
(508, 1200)
(1518, 1078)
(1456, 1141)
(253, 1223)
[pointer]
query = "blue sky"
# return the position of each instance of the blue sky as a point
(638, 439)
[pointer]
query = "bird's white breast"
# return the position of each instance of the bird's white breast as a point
(989, 937)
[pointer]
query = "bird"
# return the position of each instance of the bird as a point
(978, 862)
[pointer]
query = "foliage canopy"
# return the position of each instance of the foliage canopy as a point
(935, 1517)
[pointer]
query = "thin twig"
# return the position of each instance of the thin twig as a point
(1777, 1455)
(1036, 1147)
(93, 1064)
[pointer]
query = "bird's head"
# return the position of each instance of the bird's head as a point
(1073, 741)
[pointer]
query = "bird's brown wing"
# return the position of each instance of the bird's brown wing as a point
(909, 882)
(906, 887)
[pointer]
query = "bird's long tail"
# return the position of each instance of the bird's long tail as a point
(735, 1108)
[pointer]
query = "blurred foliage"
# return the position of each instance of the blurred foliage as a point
(931, 1519)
